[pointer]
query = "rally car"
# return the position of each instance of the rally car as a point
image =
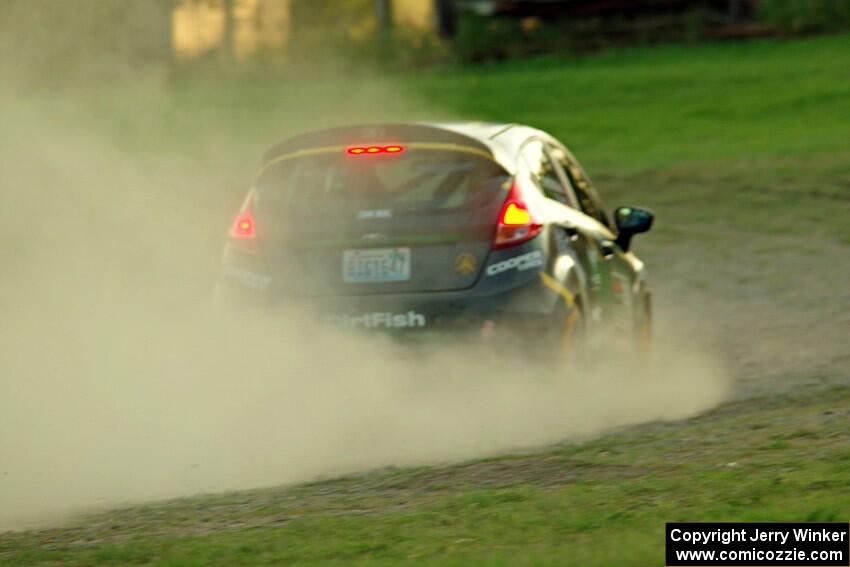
(488, 229)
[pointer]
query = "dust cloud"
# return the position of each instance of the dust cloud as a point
(119, 382)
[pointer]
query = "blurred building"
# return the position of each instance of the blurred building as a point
(247, 27)
(243, 29)
(250, 27)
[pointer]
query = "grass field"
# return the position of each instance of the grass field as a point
(600, 503)
(742, 126)
(742, 149)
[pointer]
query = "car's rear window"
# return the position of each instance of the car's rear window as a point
(416, 181)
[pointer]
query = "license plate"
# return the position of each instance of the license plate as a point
(373, 265)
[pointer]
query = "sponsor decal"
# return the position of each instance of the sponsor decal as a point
(519, 263)
(249, 279)
(372, 236)
(378, 320)
(621, 288)
(595, 273)
(617, 286)
(465, 263)
(375, 214)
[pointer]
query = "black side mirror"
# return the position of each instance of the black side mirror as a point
(631, 221)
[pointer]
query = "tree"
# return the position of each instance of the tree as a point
(227, 40)
(446, 14)
(384, 14)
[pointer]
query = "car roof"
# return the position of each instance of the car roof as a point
(478, 130)
(509, 135)
(501, 139)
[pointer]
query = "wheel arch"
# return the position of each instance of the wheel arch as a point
(569, 281)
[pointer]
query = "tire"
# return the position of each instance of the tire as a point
(557, 343)
(643, 327)
(571, 344)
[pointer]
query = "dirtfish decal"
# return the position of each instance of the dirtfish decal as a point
(249, 279)
(378, 320)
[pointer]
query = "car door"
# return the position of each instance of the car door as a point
(575, 234)
(611, 274)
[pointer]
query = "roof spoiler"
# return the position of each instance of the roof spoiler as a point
(371, 134)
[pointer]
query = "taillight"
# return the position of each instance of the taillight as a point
(244, 225)
(516, 223)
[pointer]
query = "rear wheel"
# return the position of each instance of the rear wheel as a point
(643, 326)
(555, 343)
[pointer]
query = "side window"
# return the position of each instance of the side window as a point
(588, 199)
(558, 158)
(543, 171)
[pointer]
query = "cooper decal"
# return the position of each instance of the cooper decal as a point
(527, 261)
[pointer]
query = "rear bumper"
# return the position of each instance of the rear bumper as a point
(456, 309)
(406, 312)
(506, 289)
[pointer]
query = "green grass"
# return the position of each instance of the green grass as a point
(779, 459)
(622, 110)
(740, 132)
(741, 137)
